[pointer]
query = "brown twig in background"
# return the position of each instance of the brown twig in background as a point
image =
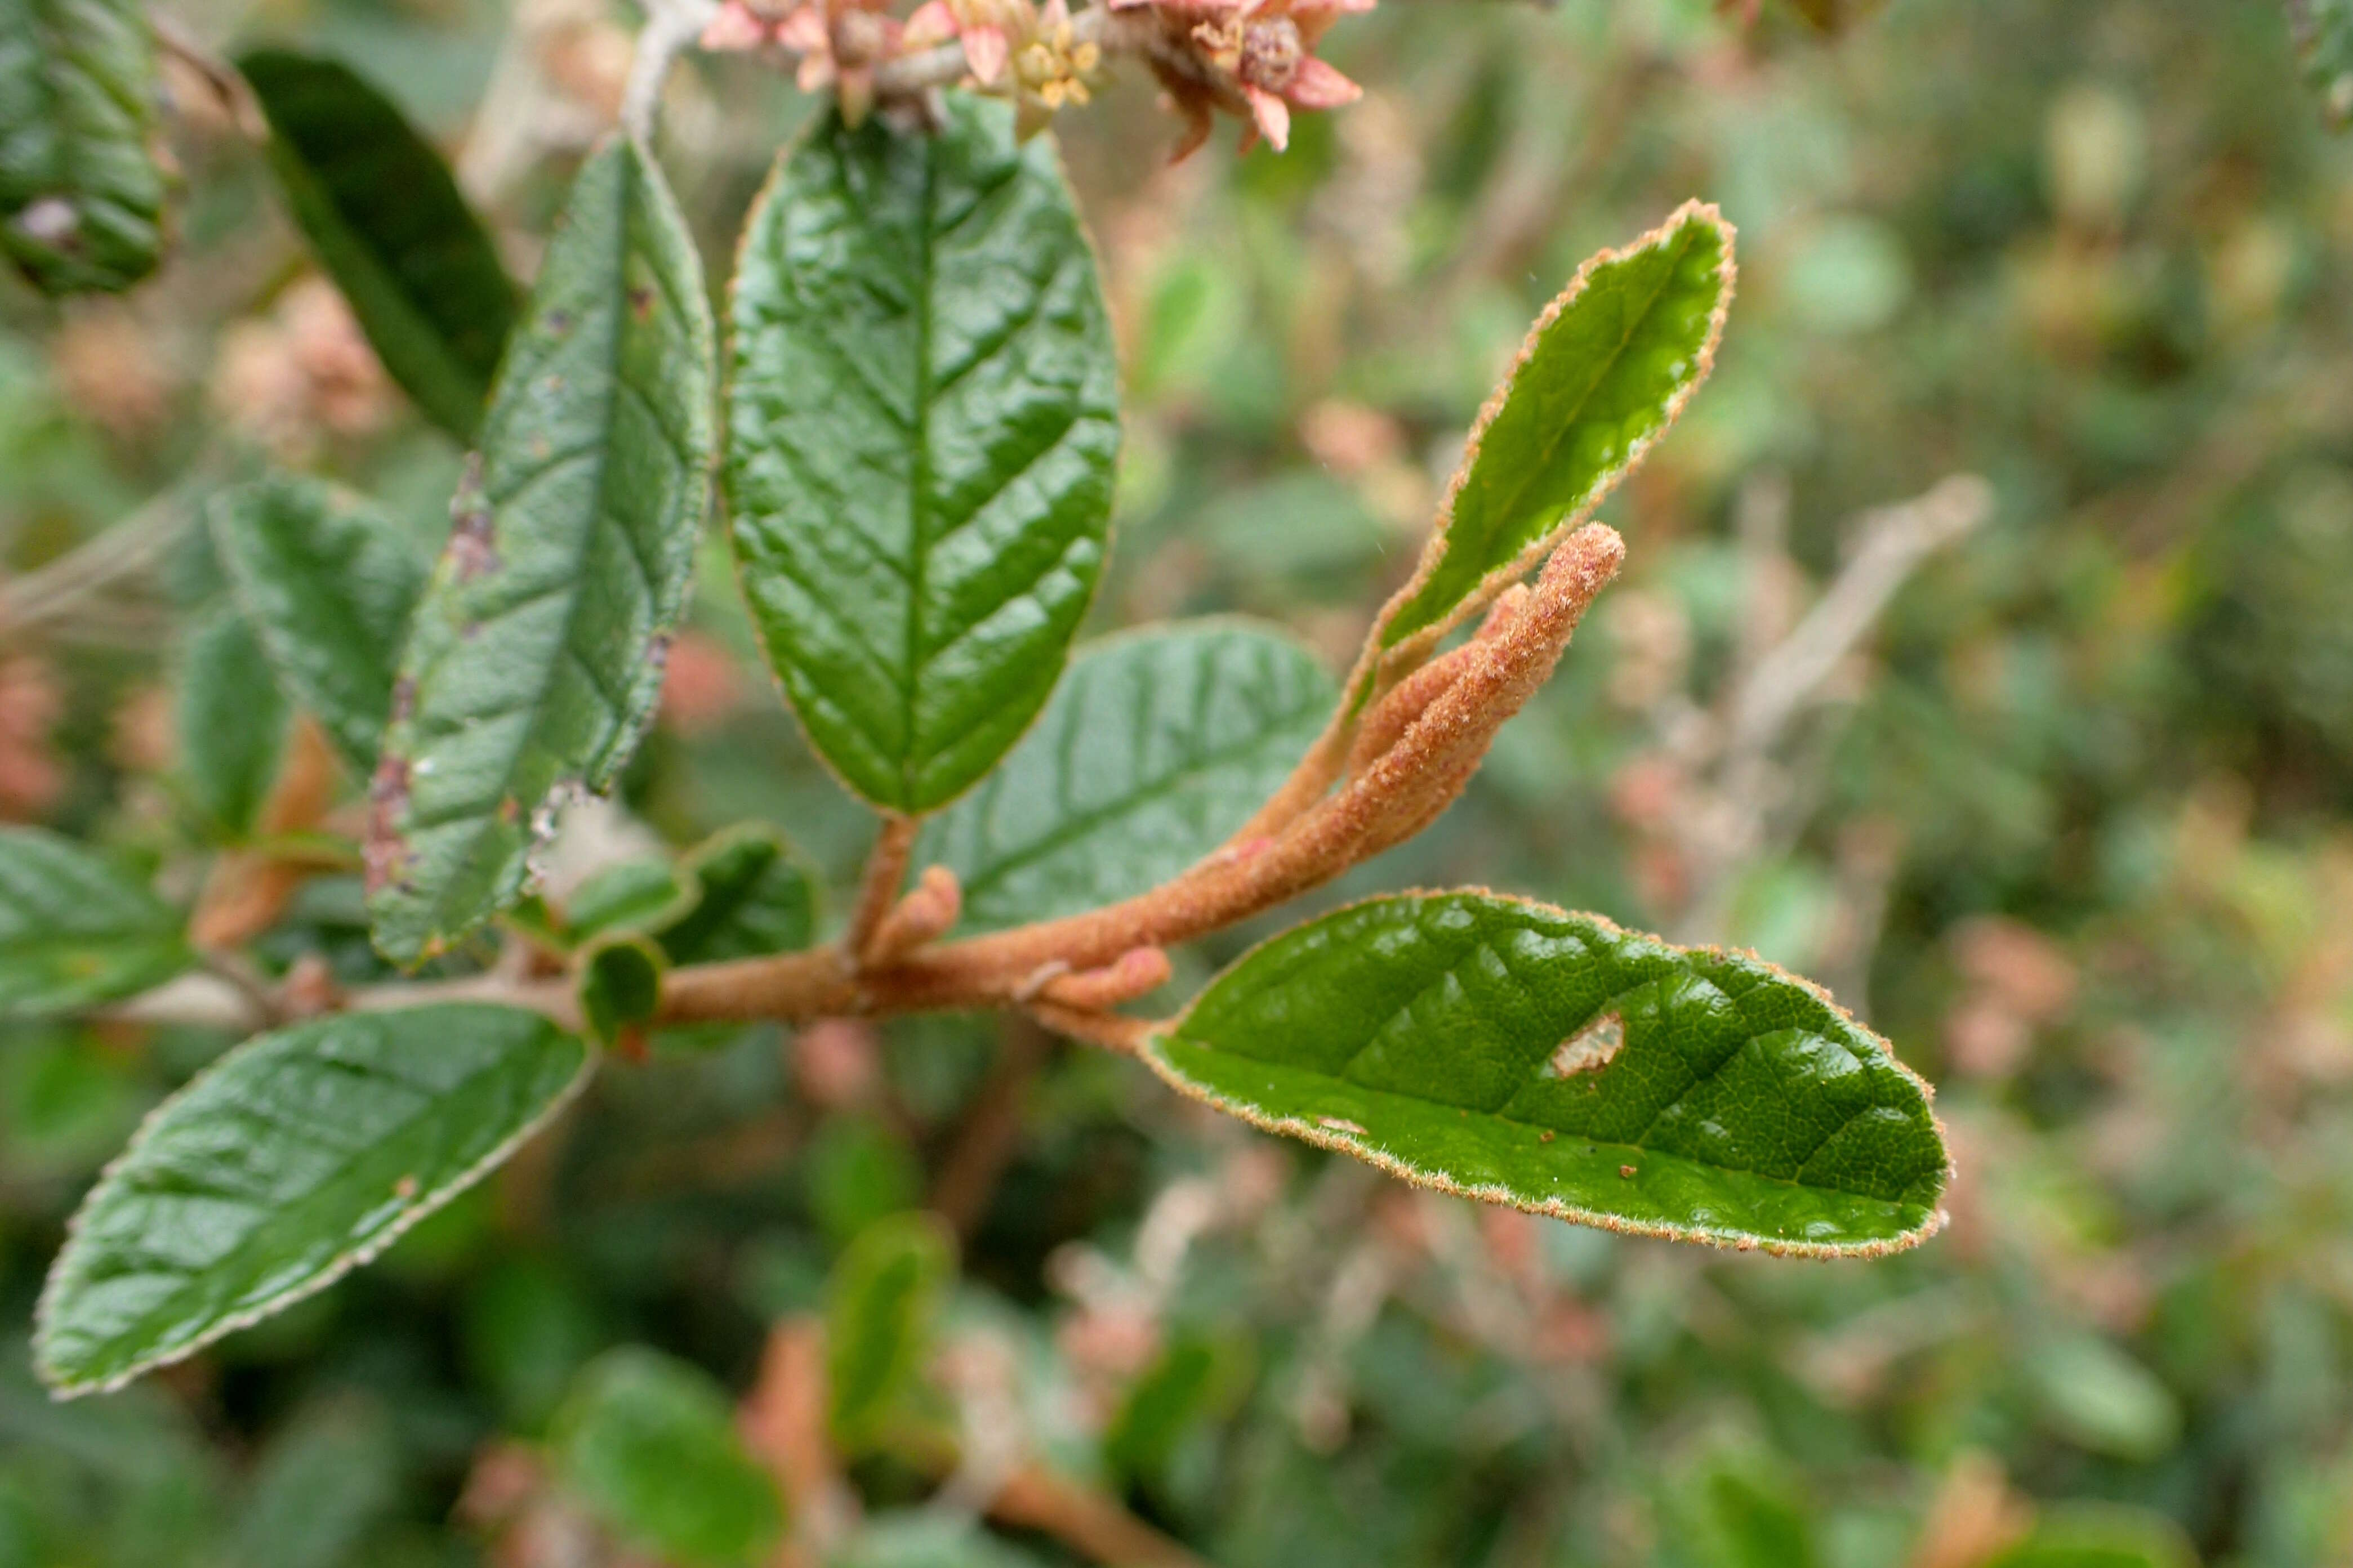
(990, 1131)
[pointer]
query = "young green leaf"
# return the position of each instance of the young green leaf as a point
(535, 658)
(81, 196)
(1194, 1377)
(620, 988)
(289, 1161)
(74, 931)
(381, 210)
(880, 1303)
(925, 1538)
(1513, 1053)
(648, 1443)
(1157, 747)
(922, 422)
(751, 899)
(1607, 369)
(329, 585)
(231, 723)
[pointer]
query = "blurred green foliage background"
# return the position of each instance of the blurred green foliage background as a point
(2071, 823)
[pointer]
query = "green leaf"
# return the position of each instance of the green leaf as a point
(74, 931)
(922, 424)
(231, 722)
(1157, 747)
(1607, 369)
(2324, 38)
(1191, 1383)
(649, 1442)
(329, 585)
(535, 658)
(328, 1478)
(1507, 1051)
(2099, 1535)
(880, 1304)
(631, 896)
(81, 196)
(751, 899)
(380, 208)
(620, 988)
(292, 1161)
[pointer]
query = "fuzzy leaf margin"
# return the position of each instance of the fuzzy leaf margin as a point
(1604, 372)
(535, 658)
(1500, 1049)
(294, 1159)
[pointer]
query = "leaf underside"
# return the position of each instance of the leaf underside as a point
(81, 196)
(1604, 372)
(74, 931)
(386, 218)
(1156, 746)
(329, 586)
(290, 1161)
(535, 658)
(1513, 1053)
(922, 418)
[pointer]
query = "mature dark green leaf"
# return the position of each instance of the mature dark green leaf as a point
(620, 988)
(922, 419)
(74, 931)
(384, 214)
(81, 196)
(231, 723)
(1513, 1053)
(649, 1442)
(883, 1296)
(292, 1160)
(1157, 746)
(329, 585)
(535, 658)
(751, 899)
(1607, 369)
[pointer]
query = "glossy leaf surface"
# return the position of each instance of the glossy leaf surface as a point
(290, 1161)
(1156, 746)
(82, 194)
(922, 419)
(619, 989)
(329, 586)
(75, 932)
(384, 217)
(535, 658)
(649, 1442)
(1606, 370)
(1519, 1055)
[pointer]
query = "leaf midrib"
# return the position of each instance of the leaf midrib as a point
(1510, 505)
(531, 739)
(919, 483)
(1373, 1139)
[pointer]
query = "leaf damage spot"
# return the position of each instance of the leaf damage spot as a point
(1340, 1124)
(642, 303)
(1589, 1049)
(472, 551)
(405, 1189)
(1627, 1172)
(386, 856)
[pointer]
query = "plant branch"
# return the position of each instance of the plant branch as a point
(671, 28)
(878, 886)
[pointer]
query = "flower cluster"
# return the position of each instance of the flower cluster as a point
(1254, 58)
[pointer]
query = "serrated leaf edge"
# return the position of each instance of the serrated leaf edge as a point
(1341, 1142)
(62, 1388)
